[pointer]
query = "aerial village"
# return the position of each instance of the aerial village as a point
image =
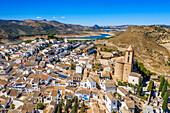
(56, 76)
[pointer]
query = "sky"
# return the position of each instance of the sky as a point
(89, 12)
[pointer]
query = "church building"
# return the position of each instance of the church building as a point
(124, 65)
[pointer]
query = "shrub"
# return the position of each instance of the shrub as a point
(40, 106)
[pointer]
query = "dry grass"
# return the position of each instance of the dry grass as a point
(147, 50)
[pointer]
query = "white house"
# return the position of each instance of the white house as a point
(128, 107)
(17, 55)
(65, 40)
(108, 86)
(88, 83)
(17, 61)
(83, 93)
(122, 92)
(134, 78)
(89, 66)
(79, 69)
(95, 93)
(107, 68)
(111, 102)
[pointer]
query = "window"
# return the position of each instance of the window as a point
(128, 59)
(128, 53)
(133, 80)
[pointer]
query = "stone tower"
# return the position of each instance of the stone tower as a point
(128, 66)
(124, 65)
(119, 66)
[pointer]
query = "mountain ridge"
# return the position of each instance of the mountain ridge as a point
(11, 29)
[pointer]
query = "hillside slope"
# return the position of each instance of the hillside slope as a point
(147, 48)
(11, 29)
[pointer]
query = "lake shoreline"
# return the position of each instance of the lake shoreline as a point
(70, 37)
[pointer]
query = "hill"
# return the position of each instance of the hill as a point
(146, 42)
(12, 29)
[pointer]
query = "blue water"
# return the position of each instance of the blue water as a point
(107, 30)
(91, 37)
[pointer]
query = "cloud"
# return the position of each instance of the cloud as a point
(38, 17)
(62, 17)
(54, 17)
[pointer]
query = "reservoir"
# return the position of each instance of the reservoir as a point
(91, 37)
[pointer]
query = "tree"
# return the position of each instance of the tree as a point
(140, 90)
(83, 108)
(42, 38)
(60, 107)
(74, 110)
(162, 83)
(75, 107)
(37, 38)
(68, 104)
(140, 87)
(164, 105)
(13, 106)
(73, 66)
(164, 89)
(40, 106)
(150, 85)
(50, 36)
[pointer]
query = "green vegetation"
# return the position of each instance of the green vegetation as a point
(140, 87)
(164, 89)
(42, 48)
(83, 108)
(130, 92)
(42, 38)
(60, 106)
(27, 41)
(143, 97)
(168, 62)
(142, 70)
(95, 47)
(72, 41)
(73, 66)
(134, 87)
(75, 107)
(122, 83)
(98, 65)
(165, 102)
(162, 79)
(120, 96)
(107, 50)
(40, 106)
(68, 104)
(37, 38)
(51, 36)
(103, 97)
(13, 106)
(8, 55)
(150, 85)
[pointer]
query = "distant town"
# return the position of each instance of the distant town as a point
(56, 75)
